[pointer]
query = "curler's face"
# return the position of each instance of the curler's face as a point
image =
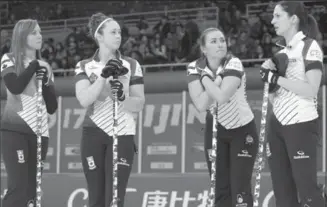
(111, 35)
(281, 21)
(34, 39)
(215, 45)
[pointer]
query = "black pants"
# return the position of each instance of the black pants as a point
(19, 156)
(236, 154)
(96, 152)
(293, 163)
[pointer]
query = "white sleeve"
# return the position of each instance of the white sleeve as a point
(314, 53)
(234, 68)
(314, 57)
(191, 69)
(6, 63)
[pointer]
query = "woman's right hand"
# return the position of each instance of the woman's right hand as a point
(48, 73)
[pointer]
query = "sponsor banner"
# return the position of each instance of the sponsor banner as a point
(72, 118)
(177, 190)
(162, 132)
(194, 141)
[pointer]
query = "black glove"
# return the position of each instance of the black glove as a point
(117, 86)
(114, 68)
(281, 63)
(278, 65)
(269, 76)
(42, 74)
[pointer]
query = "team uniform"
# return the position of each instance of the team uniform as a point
(237, 137)
(293, 133)
(97, 138)
(18, 130)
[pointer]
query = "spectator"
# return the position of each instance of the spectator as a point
(55, 66)
(72, 36)
(323, 21)
(171, 42)
(242, 41)
(60, 12)
(144, 43)
(123, 7)
(4, 35)
(37, 14)
(243, 52)
(252, 48)
(80, 37)
(128, 46)
(225, 20)
(265, 31)
(320, 39)
(77, 58)
(6, 47)
(194, 54)
(256, 28)
(46, 50)
(12, 18)
(60, 51)
(143, 25)
(259, 52)
(71, 53)
(233, 47)
(137, 56)
(163, 27)
(177, 41)
(158, 49)
(267, 44)
(51, 44)
(184, 46)
(189, 39)
(236, 19)
(51, 15)
(244, 27)
(266, 16)
(64, 63)
(149, 57)
(88, 49)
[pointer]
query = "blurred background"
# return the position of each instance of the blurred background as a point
(163, 36)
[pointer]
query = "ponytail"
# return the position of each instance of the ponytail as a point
(311, 28)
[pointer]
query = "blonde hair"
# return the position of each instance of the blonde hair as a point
(19, 42)
(205, 33)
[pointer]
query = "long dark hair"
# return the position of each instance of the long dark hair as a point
(307, 23)
(94, 21)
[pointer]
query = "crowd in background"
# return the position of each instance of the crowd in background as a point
(169, 41)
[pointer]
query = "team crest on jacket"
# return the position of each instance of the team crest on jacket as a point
(249, 139)
(30, 203)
